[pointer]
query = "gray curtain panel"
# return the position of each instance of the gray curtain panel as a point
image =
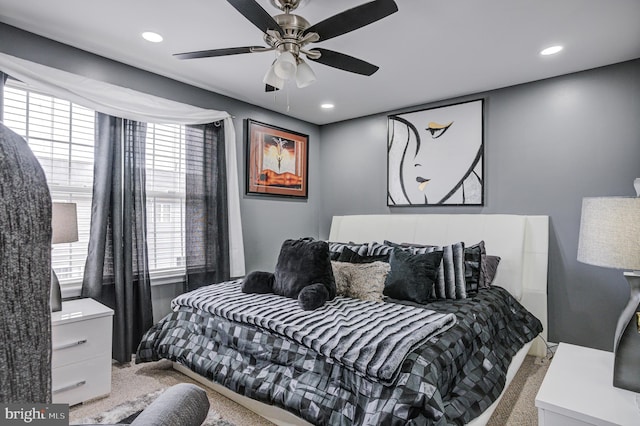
(3, 78)
(117, 266)
(207, 229)
(25, 274)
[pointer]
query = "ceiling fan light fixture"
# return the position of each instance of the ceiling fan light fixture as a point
(272, 79)
(285, 65)
(287, 34)
(304, 74)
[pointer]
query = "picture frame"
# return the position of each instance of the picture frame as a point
(435, 156)
(277, 161)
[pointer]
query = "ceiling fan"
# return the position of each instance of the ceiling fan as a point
(288, 34)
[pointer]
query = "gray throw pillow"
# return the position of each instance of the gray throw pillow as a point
(363, 281)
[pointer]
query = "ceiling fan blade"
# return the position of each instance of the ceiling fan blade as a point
(216, 52)
(344, 62)
(353, 19)
(259, 17)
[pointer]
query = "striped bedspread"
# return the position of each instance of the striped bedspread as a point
(370, 338)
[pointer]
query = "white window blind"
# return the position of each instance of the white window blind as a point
(61, 135)
(166, 198)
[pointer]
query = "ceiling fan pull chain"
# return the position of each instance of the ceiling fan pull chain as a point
(286, 89)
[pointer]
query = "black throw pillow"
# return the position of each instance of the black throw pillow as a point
(475, 267)
(303, 263)
(313, 296)
(258, 282)
(412, 275)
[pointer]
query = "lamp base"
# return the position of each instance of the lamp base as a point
(626, 367)
(55, 299)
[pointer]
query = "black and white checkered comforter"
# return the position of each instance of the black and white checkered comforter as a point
(370, 338)
(449, 379)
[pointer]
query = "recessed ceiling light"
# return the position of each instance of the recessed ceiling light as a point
(152, 37)
(327, 106)
(551, 50)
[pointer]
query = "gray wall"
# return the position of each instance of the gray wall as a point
(266, 222)
(547, 145)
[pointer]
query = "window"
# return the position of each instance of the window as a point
(166, 198)
(61, 135)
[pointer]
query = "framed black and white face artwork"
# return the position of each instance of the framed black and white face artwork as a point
(436, 156)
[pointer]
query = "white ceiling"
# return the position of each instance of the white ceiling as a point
(429, 50)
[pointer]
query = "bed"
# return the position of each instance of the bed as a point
(456, 376)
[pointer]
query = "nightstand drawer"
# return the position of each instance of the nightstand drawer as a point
(81, 340)
(76, 383)
(81, 358)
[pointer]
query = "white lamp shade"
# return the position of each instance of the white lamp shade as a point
(285, 65)
(272, 79)
(304, 75)
(610, 232)
(64, 223)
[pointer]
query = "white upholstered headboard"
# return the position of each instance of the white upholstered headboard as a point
(521, 241)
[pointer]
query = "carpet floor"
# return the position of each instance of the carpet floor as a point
(131, 381)
(517, 406)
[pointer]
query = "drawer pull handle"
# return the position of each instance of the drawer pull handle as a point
(73, 386)
(70, 345)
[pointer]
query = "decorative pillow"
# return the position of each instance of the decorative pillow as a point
(303, 272)
(336, 248)
(348, 255)
(258, 282)
(377, 249)
(491, 269)
(450, 283)
(313, 296)
(474, 261)
(361, 281)
(302, 263)
(341, 275)
(412, 276)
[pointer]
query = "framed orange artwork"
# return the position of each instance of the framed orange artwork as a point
(277, 161)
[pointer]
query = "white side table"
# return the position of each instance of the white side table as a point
(578, 390)
(81, 358)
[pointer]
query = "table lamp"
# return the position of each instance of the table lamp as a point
(610, 237)
(64, 227)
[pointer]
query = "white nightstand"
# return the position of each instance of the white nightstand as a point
(81, 358)
(578, 390)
